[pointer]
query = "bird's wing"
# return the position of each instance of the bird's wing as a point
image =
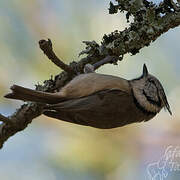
(104, 109)
(87, 84)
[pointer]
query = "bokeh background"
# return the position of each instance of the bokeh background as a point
(53, 150)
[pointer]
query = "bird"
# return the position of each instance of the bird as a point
(101, 101)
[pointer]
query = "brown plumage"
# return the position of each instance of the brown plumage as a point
(101, 101)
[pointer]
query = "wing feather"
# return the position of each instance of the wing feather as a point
(104, 109)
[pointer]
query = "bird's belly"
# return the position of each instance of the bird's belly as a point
(107, 119)
(105, 109)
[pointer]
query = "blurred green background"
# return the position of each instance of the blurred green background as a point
(53, 150)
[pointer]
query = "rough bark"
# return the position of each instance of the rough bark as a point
(149, 22)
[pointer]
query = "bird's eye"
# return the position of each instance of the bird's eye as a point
(150, 80)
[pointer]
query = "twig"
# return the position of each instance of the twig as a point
(108, 59)
(46, 47)
(4, 119)
(89, 68)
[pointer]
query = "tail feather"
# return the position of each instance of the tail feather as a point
(26, 94)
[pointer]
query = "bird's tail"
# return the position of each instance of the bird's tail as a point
(26, 94)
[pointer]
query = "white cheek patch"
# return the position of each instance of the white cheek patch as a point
(142, 100)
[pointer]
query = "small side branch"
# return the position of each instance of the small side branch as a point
(89, 68)
(108, 59)
(46, 47)
(4, 119)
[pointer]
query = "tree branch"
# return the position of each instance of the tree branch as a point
(3, 119)
(46, 47)
(150, 21)
(88, 68)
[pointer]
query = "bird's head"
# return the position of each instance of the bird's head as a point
(149, 92)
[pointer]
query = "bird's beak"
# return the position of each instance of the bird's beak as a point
(166, 104)
(169, 110)
(145, 71)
